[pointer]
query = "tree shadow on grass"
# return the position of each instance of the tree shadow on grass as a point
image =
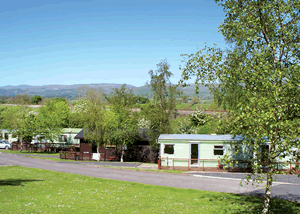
(276, 205)
(15, 182)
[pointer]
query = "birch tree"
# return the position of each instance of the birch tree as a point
(163, 105)
(257, 78)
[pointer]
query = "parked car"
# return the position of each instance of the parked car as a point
(5, 145)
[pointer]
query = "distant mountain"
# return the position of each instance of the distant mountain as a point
(72, 91)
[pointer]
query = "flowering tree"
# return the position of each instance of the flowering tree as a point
(198, 117)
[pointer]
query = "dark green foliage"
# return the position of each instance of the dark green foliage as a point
(163, 105)
(4, 99)
(121, 102)
(142, 100)
(36, 99)
(59, 99)
(1, 117)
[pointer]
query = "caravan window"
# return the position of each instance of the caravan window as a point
(218, 149)
(63, 138)
(169, 149)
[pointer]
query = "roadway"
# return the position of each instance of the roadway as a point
(283, 188)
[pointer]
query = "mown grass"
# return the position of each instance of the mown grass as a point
(32, 153)
(29, 190)
(205, 105)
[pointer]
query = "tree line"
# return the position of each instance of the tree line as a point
(107, 118)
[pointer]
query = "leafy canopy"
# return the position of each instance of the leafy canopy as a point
(257, 78)
(163, 105)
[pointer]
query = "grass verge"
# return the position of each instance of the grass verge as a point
(29, 190)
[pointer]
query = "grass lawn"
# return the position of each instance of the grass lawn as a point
(29, 190)
(28, 152)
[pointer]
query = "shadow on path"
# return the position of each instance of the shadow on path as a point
(15, 182)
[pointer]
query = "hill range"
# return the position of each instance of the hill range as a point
(73, 91)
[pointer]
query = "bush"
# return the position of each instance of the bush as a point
(36, 99)
(198, 117)
(187, 127)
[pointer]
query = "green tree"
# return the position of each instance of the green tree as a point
(142, 100)
(163, 104)
(77, 115)
(98, 121)
(23, 122)
(2, 110)
(23, 99)
(54, 116)
(257, 77)
(96, 124)
(4, 99)
(121, 102)
(36, 99)
(59, 99)
(28, 127)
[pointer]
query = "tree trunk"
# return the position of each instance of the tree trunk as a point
(21, 148)
(98, 153)
(268, 193)
(269, 180)
(122, 155)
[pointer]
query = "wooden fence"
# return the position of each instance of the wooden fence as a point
(75, 156)
(34, 147)
(40, 147)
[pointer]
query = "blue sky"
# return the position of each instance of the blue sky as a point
(81, 42)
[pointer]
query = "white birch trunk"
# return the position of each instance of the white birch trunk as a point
(122, 155)
(268, 194)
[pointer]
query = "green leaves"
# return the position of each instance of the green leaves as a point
(121, 103)
(163, 103)
(53, 117)
(257, 77)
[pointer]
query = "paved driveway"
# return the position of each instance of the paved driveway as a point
(116, 164)
(290, 179)
(35, 155)
(285, 191)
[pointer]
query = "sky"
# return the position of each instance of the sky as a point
(87, 42)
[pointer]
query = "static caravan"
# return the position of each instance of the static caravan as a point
(66, 139)
(8, 136)
(181, 148)
(198, 150)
